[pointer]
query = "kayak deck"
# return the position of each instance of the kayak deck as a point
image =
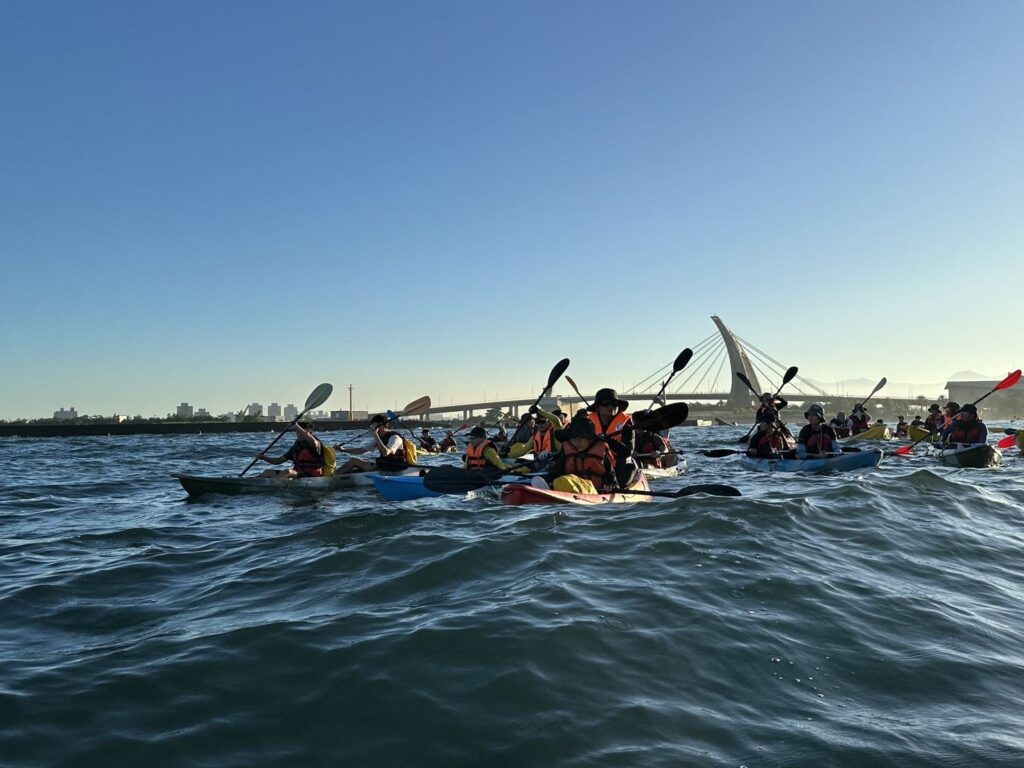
(517, 494)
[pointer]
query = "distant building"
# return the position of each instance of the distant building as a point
(290, 412)
(969, 391)
(184, 411)
(253, 409)
(273, 412)
(203, 413)
(350, 415)
(65, 414)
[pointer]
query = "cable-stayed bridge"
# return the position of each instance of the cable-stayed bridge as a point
(710, 377)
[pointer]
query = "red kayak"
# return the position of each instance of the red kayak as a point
(521, 493)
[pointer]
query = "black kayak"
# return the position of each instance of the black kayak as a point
(970, 456)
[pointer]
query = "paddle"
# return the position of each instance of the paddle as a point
(662, 418)
(458, 480)
(316, 398)
(555, 375)
(1006, 383)
(577, 390)
(680, 362)
(788, 377)
(1007, 442)
(414, 408)
(878, 386)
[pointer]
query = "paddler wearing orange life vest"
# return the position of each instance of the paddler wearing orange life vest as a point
(585, 463)
(542, 443)
(306, 455)
(609, 417)
(817, 438)
(481, 455)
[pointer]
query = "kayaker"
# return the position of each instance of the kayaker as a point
(502, 435)
(482, 456)
(585, 464)
(934, 420)
(427, 443)
(448, 445)
(902, 427)
(562, 416)
(525, 430)
(609, 417)
(859, 420)
(542, 442)
(967, 428)
(306, 455)
(768, 403)
(817, 439)
(841, 425)
(654, 450)
(949, 412)
(767, 442)
(393, 453)
(918, 422)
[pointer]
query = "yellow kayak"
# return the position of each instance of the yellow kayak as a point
(875, 433)
(920, 433)
(1020, 440)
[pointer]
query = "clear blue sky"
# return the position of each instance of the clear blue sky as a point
(233, 201)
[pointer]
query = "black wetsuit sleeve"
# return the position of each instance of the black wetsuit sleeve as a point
(780, 402)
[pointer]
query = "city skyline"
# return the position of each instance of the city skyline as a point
(448, 198)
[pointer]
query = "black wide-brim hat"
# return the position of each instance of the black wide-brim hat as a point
(577, 428)
(606, 396)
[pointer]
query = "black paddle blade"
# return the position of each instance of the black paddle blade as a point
(1009, 431)
(743, 377)
(710, 489)
(662, 418)
(682, 360)
(720, 453)
(457, 480)
(556, 372)
(790, 375)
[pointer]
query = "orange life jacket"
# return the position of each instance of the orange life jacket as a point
(543, 440)
(619, 421)
(475, 455)
(307, 462)
(589, 464)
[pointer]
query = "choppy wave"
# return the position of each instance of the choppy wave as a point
(848, 620)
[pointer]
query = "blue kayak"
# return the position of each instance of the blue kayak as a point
(843, 462)
(398, 488)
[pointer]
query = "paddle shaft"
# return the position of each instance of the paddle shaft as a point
(273, 443)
